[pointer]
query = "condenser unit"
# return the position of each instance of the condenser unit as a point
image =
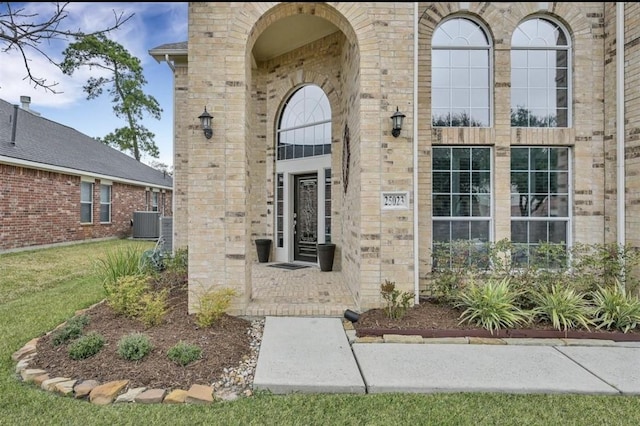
(146, 225)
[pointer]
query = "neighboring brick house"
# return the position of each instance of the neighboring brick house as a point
(521, 122)
(58, 185)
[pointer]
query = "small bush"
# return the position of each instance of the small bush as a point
(124, 296)
(398, 302)
(564, 307)
(213, 304)
(615, 309)
(153, 308)
(71, 330)
(178, 262)
(134, 346)
(184, 353)
(120, 262)
(491, 305)
(86, 346)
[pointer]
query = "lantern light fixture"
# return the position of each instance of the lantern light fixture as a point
(205, 123)
(397, 118)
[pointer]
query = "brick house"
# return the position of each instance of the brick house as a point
(58, 185)
(520, 122)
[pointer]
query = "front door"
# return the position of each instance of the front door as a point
(305, 217)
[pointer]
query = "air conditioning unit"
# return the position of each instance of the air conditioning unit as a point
(146, 225)
(166, 232)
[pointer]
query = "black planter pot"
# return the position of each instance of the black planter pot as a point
(264, 249)
(325, 256)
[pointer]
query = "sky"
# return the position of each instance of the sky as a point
(152, 25)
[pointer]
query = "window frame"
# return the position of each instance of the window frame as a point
(568, 49)
(450, 88)
(548, 218)
(84, 202)
(473, 193)
(303, 129)
(106, 204)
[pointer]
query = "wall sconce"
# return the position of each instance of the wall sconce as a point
(205, 123)
(397, 118)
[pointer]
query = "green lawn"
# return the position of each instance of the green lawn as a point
(39, 289)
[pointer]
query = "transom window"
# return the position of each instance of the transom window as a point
(461, 196)
(540, 199)
(305, 125)
(460, 70)
(540, 66)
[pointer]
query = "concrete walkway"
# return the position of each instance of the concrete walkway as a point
(314, 355)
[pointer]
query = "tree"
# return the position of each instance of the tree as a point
(25, 32)
(124, 81)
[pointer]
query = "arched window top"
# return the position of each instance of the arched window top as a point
(307, 106)
(461, 32)
(304, 128)
(539, 32)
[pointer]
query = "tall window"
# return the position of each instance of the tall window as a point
(460, 70)
(540, 202)
(105, 203)
(86, 202)
(305, 125)
(154, 201)
(540, 83)
(461, 196)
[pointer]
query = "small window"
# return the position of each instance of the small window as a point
(540, 75)
(154, 202)
(461, 75)
(105, 203)
(86, 202)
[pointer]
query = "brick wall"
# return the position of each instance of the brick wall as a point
(367, 69)
(40, 207)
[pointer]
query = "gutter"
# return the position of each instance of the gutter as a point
(416, 229)
(75, 172)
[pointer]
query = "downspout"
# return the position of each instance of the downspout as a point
(620, 189)
(173, 189)
(416, 230)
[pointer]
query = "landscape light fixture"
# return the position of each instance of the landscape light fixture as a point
(205, 123)
(397, 118)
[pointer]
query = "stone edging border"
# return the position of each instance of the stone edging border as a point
(484, 337)
(111, 392)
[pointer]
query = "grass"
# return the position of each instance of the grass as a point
(44, 301)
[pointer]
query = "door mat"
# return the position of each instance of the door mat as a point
(289, 266)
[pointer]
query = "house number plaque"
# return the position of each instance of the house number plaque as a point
(395, 200)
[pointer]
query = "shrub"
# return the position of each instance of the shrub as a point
(134, 346)
(614, 308)
(397, 301)
(71, 330)
(491, 305)
(564, 307)
(184, 353)
(153, 307)
(213, 304)
(124, 296)
(120, 262)
(177, 263)
(86, 346)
